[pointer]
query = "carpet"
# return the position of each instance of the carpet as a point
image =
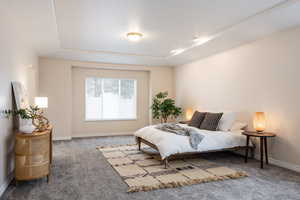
(145, 172)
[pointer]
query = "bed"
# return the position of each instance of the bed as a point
(170, 145)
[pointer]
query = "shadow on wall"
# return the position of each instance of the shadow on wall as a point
(10, 155)
(10, 141)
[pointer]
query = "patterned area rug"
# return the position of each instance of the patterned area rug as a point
(145, 172)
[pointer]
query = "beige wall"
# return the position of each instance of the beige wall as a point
(260, 76)
(18, 62)
(56, 84)
(82, 128)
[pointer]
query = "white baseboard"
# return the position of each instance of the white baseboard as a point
(83, 135)
(281, 163)
(62, 138)
(285, 164)
(5, 184)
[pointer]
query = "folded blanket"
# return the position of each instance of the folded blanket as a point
(194, 137)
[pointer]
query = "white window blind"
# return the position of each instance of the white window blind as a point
(110, 99)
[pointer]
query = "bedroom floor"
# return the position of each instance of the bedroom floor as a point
(79, 171)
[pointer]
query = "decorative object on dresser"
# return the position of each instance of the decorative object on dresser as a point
(33, 155)
(33, 113)
(29, 118)
(40, 121)
(263, 144)
(21, 102)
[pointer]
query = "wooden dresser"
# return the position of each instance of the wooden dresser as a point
(33, 155)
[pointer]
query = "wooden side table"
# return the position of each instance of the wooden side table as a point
(33, 155)
(263, 145)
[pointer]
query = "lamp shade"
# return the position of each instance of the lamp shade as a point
(259, 121)
(41, 102)
(188, 114)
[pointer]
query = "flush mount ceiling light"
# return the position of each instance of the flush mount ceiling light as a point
(134, 36)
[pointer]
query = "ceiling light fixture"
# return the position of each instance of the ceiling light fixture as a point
(134, 36)
(201, 40)
(177, 51)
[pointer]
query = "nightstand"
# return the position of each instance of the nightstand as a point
(263, 144)
(33, 155)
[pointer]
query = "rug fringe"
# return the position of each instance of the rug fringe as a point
(185, 183)
(113, 146)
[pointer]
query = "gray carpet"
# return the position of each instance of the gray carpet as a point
(79, 171)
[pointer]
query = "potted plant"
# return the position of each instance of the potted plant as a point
(163, 107)
(33, 113)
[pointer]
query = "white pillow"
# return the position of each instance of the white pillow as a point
(226, 121)
(238, 126)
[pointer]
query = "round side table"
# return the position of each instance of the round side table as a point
(263, 144)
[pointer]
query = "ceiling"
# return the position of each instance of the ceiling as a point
(95, 30)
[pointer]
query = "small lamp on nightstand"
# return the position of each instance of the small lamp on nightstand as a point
(188, 114)
(259, 122)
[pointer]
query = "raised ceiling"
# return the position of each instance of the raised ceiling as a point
(95, 30)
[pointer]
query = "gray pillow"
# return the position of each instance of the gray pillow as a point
(197, 119)
(211, 121)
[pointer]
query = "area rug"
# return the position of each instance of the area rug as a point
(144, 172)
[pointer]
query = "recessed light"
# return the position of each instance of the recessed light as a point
(201, 40)
(134, 36)
(177, 51)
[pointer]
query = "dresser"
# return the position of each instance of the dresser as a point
(33, 155)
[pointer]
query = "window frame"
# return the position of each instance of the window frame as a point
(112, 119)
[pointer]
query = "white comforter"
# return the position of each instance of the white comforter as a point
(170, 143)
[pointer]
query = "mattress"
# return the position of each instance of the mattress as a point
(170, 143)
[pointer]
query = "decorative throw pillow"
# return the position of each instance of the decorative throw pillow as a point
(211, 121)
(238, 126)
(197, 119)
(226, 121)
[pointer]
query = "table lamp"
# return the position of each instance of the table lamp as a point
(41, 102)
(188, 114)
(259, 122)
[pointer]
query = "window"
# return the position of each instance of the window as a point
(110, 99)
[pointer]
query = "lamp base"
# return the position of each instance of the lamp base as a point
(260, 132)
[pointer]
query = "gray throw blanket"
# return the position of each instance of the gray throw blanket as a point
(194, 137)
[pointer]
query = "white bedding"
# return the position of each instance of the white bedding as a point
(170, 143)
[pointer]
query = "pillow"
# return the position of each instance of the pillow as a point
(238, 126)
(211, 121)
(197, 119)
(226, 121)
